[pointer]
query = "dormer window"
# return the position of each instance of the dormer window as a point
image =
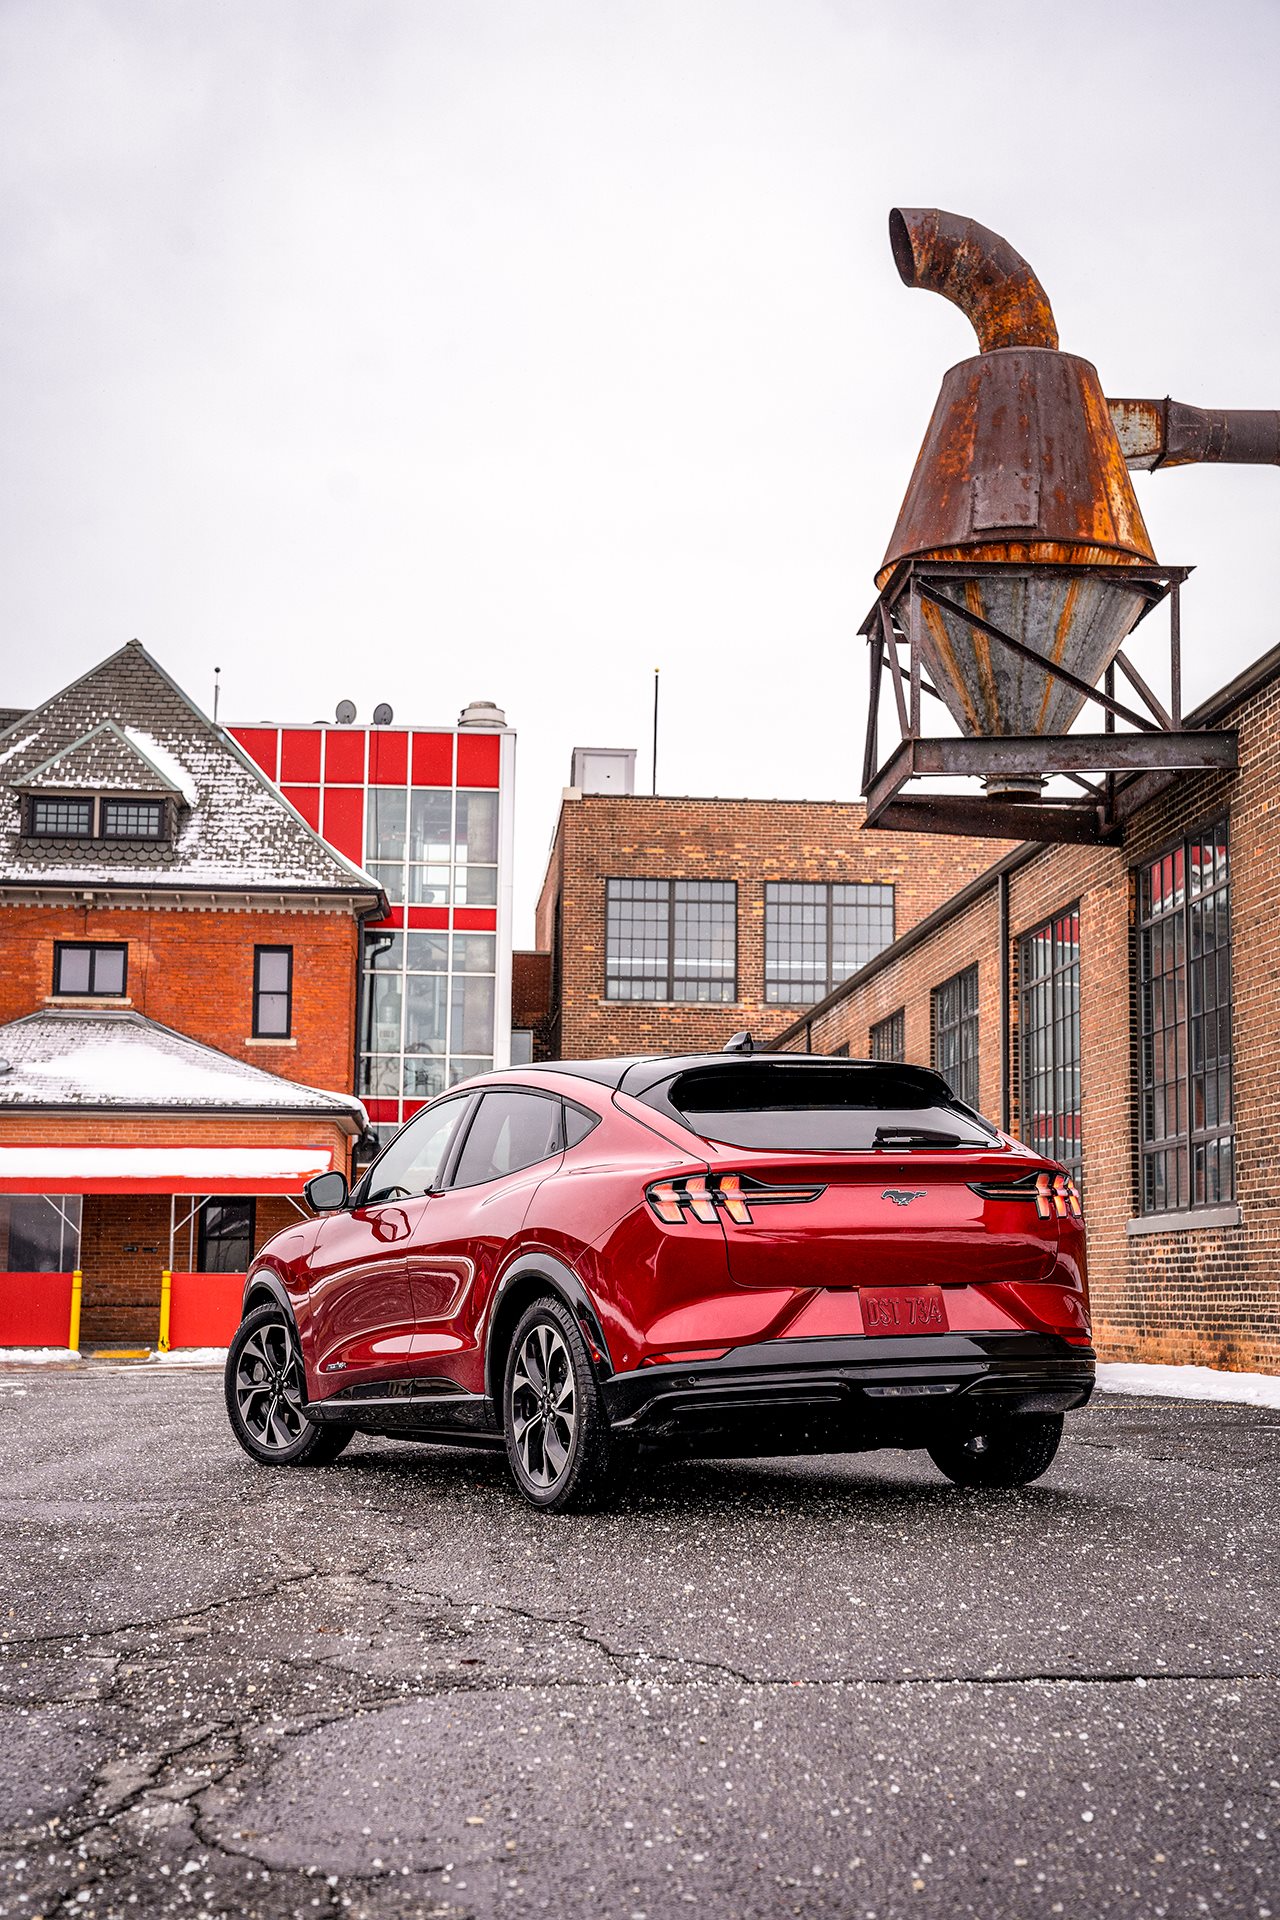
(94, 817)
(132, 819)
(62, 819)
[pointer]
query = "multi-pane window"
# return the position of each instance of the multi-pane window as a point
(815, 936)
(81, 967)
(1184, 985)
(955, 1034)
(427, 1023)
(272, 992)
(671, 940)
(133, 819)
(1049, 1038)
(62, 819)
(889, 1038)
(432, 846)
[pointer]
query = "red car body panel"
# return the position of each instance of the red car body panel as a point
(407, 1290)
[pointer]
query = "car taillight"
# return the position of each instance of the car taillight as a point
(1053, 1193)
(699, 1197)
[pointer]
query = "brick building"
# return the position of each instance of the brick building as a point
(671, 923)
(1120, 1007)
(179, 959)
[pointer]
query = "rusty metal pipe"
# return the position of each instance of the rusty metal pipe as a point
(977, 271)
(1166, 433)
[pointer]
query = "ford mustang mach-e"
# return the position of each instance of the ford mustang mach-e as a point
(723, 1254)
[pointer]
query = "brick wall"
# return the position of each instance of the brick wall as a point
(751, 842)
(193, 970)
(1206, 1294)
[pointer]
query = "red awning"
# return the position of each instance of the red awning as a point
(196, 1170)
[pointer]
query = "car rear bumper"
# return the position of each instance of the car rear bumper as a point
(854, 1391)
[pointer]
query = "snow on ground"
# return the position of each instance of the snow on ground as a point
(36, 1356)
(1190, 1383)
(192, 1357)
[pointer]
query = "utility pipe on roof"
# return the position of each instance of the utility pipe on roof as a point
(976, 270)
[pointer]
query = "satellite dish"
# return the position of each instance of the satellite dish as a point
(346, 712)
(382, 715)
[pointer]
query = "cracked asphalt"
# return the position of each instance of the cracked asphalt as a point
(830, 1686)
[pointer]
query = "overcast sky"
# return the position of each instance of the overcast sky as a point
(423, 352)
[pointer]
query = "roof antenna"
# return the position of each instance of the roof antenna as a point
(655, 729)
(217, 689)
(740, 1043)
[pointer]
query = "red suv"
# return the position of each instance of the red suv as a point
(723, 1254)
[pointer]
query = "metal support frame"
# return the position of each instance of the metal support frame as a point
(1159, 743)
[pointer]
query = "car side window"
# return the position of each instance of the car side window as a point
(510, 1131)
(412, 1163)
(578, 1124)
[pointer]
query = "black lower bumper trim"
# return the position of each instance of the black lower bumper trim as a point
(859, 1384)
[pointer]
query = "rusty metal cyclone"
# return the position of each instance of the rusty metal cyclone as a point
(978, 271)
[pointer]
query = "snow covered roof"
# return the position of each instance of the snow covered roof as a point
(127, 728)
(97, 1058)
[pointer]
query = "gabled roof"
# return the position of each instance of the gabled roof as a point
(97, 1058)
(105, 760)
(125, 726)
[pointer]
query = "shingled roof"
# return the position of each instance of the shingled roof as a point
(127, 728)
(95, 1058)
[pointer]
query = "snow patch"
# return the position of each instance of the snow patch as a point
(37, 1356)
(53, 1164)
(1190, 1383)
(19, 746)
(192, 1357)
(166, 763)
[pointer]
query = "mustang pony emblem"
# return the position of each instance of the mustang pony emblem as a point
(902, 1196)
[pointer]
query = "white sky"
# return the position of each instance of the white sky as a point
(423, 352)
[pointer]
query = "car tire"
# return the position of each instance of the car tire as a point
(559, 1446)
(1002, 1452)
(265, 1390)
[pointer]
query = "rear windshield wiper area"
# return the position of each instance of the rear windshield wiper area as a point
(908, 1137)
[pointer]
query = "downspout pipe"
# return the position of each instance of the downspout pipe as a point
(977, 271)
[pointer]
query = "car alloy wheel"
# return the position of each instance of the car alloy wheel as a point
(266, 1394)
(544, 1405)
(269, 1387)
(559, 1445)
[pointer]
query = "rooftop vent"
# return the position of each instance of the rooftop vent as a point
(482, 713)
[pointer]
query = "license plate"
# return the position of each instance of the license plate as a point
(903, 1310)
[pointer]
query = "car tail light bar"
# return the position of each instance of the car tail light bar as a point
(1054, 1193)
(706, 1197)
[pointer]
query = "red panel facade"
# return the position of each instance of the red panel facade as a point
(344, 820)
(388, 759)
(344, 756)
(300, 754)
(307, 801)
(478, 759)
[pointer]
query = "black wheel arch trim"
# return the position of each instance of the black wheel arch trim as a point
(558, 1278)
(265, 1280)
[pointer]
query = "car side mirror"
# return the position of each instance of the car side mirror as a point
(326, 1192)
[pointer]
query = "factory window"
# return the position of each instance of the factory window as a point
(671, 940)
(815, 936)
(955, 1034)
(81, 967)
(889, 1038)
(1184, 1011)
(1049, 1038)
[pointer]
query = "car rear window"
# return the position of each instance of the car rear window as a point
(827, 1109)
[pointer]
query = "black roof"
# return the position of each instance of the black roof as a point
(638, 1074)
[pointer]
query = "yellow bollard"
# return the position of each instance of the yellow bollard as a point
(73, 1331)
(166, 1288)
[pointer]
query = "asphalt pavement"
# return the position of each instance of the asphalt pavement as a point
(823, 1687)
